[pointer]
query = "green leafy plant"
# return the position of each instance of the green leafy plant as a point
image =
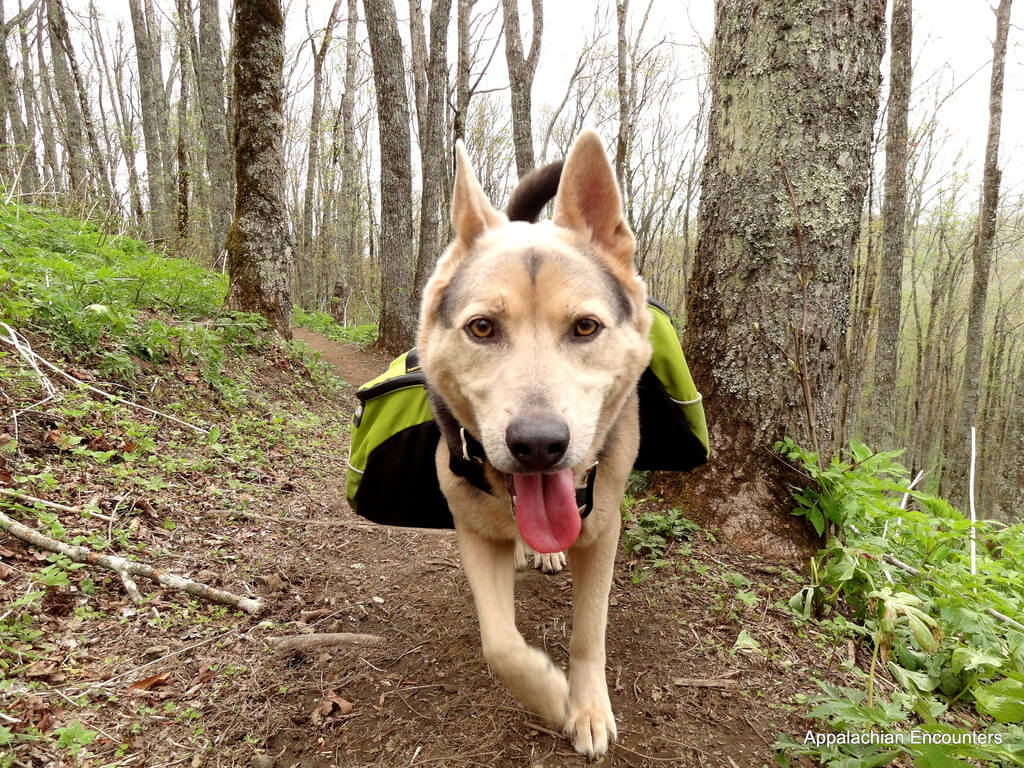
(942, 631)
(649, 535)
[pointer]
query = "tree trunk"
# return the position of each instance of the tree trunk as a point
(260, 249)
(520, 77)
(98, 164)
(894, 216)
(621, 13)
(397, 329)
(160, 225)
(47, 109)
(348, 279)
(306, 270)
(960, 455)
(211, 100)
(23, 159)
(431, 119)
(32, 174)
(162, 101)
(783, 184)
(73, 140)
(182, 209)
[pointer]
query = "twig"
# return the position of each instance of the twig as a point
(53, 505)
(707, 682)
(542, 729)
(120, 565)
(130, 587)
(918, 572)
(322, 640)
(35, 356)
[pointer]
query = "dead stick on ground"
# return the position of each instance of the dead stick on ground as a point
(322, 640)
(122, 566)
(36, 356)
(53, 505)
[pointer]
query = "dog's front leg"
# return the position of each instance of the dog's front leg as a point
(590, 724)
(526, 670)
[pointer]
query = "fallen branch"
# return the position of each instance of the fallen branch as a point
(122, 566)
(32, 356)
(322, 640)
(52, 504)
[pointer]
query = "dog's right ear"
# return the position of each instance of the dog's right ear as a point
(472, 212)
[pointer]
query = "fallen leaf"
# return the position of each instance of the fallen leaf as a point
(164, 678)
(330, 707)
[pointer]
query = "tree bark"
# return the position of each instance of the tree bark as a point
(782, 189)
(960, 454)
(521, 70)
(621, 13)
(305, 264)
(211, 101)
(47, 109)
(431, 120)
(73, 140)
(348, 279)
(34, 176)
(162, 101)
(159, 223)
(184, 180)
(397, 328)
(894, 216)
(260, 248)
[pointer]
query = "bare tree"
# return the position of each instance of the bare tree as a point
(397, 326)
(982, 259)
(521, 70)
(148, 85)
(260, 248)
(894, 216)
(305, 282)
(430, 115)
(214, 113)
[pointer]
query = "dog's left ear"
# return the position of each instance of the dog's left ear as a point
(588, 199)
(472, 212)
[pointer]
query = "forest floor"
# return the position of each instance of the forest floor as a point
(705, 666)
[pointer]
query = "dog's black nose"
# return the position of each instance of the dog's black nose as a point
(538, 443)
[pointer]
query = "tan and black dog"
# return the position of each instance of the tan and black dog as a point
(532, 338)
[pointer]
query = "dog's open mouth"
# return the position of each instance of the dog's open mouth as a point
(546, 511)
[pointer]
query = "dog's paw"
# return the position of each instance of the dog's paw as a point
(553, 563)
(591, 728)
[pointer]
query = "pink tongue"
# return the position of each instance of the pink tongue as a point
(546, 511)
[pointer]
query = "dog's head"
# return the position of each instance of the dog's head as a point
(535, 334)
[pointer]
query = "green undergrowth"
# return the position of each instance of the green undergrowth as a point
(941, 643)
(325, 325)
(217, 418)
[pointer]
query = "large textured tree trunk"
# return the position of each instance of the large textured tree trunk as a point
(181, 212)
(162, 99)
(397, 268)
(520, 77)
(794, 96)
(46, 109)
(160, 224)
(260, 248)
(432, 141)
(211, 100)
(894, 216)
(960, 455)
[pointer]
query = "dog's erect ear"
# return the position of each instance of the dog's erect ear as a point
(588, 199)
(472, 212)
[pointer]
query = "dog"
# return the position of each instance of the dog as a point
(532, 338)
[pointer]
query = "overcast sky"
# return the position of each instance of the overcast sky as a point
(952, 46)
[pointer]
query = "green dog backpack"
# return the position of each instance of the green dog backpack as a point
(392, 479)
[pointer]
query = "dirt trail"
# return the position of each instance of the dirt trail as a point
(682, 695)
(354, 365)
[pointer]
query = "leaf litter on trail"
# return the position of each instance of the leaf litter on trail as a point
(330, 709)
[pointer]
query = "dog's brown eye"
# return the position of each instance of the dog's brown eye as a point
(480, 328)
(586, 326)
